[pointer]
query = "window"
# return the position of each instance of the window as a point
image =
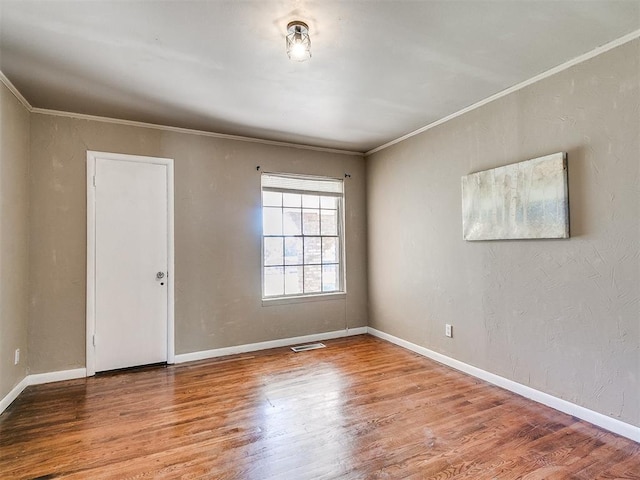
(302, 236)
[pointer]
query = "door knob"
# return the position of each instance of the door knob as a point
(160, 275)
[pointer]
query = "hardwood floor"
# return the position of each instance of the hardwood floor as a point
(361, 408)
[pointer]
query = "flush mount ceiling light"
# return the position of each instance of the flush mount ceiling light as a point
(298, 41)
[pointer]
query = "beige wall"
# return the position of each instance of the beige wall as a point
(14, 239)
(562, 316)
(217, 238)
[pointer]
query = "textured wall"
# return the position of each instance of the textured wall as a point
(562, 316)
(217, 238)
(14, 239)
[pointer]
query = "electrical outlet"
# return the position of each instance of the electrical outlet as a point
(448, 330)
(16, 357)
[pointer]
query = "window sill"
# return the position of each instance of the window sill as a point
(268, 302)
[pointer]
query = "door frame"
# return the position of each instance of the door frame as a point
(92, 156)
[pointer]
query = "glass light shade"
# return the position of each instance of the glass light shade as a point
(298, 41)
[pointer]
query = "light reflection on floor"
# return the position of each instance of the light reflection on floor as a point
(293, 405)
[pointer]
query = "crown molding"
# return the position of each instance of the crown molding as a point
(189, 131)
(15, 91)
(564, 66)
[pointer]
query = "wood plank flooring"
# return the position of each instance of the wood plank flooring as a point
(361, 408)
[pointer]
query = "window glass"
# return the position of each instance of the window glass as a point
(329, 250)
(272, 199)
(301, 235)
(311, 221)
(329, 278)
(293, 251)
(273, 281)
(311, 201)
(292, 200)
(272, 221)
(292, 221)
(273, 250)
(329, 202)
(328, 222)
(294, 280)
(312, 278)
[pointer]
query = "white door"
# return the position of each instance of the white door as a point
(131, 262)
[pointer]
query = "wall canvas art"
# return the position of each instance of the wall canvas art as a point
(524, 200)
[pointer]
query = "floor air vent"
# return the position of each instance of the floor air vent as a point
(310, 346)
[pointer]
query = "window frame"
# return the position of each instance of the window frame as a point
(284, 298)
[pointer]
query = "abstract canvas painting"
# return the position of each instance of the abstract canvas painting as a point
(524, 200)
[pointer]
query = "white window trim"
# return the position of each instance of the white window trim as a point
(316, 296)
(310, 297)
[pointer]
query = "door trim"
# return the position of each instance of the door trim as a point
(92, 156)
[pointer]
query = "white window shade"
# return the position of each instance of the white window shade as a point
(291, 183)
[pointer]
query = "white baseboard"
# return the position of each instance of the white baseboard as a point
(253, 347)
(13, 394)
(37, 379)
(608, 423)
(616, 426)
(40, 378)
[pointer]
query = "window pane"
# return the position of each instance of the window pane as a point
(273, 281)
(329, 202)
(329, 250)
(310, 201)
(292, 200)
(312, 279)
(302, 237)
(272, 199)
(312, 250)
(329, 222)
(293, 251)
(293, 280)
(329, 278)
(292, 223)
(273, 251)
(310, 221)
(272, 221)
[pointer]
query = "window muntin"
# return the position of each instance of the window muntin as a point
(302, 243)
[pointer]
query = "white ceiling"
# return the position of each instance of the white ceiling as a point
(380, 69)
